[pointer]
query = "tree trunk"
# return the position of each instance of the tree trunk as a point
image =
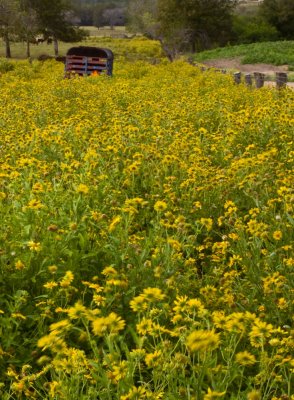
(55, 43)
(28, 49)
(7, 45)
(168, 51)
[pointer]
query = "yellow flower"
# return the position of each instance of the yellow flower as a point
(152, 359)
(219, 319)
(18, 387)
(277, 235)
(54, 389)
(52, 269)
(197, 204)
(67, 279)
(160, 206)
(115, 221)
(52, 342)
(141, 393)
(77, 311)
(60, 325)
(19, 265)
(139, 304)
(50, 285)
(153, 294)
(115, 323)
(202, 340)
(109, 271)
(110, 324)
(38, 187)
(119, 371)
(259, 332)
(33, 246)
(211, 394)
(138, 353)
(236, 322)
(35, 204)
(245, 358)
(282, 303)
(254, 395)
(83, 189)
(196, 306)
(135, 394)
(18, 315)
(145, 326)
(207, 222)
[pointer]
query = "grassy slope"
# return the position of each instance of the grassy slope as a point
(277, 53)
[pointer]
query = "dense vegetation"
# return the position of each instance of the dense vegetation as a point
(179, 26)
(146, 237)
(277, 53)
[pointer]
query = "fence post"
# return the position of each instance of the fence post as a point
(281, 80)
(248, 80)
(237, 77)
(259, 79)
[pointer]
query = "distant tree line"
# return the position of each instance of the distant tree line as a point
(23, 20)
(194, 25)
(179, 25)
(101, 13)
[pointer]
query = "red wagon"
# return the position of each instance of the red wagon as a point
(85, 61)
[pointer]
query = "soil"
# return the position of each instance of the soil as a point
(234, 64)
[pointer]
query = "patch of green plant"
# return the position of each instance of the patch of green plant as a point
(6, 66)
(248, 29)
(277, 53)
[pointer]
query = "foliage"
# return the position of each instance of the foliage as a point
(280, 13)
(24, 19)
(253, 29)
(91, 12)
(147, 235)
(6, 66)
(54, 21)
(8, 22)
(277, 53)
(176, 24)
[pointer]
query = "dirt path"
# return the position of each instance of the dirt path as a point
(234, 64)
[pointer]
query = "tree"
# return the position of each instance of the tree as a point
(179, 24)
(28, 24)
(54, 18)
(143, 17)
(114, 16)
(206, 21)
(9, 14)
(280, 13)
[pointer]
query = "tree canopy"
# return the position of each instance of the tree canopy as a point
(24, 19)
(280, 14)
(8, 22)
(181, 24)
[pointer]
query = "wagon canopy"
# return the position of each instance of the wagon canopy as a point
(87, 51)
(85, 60)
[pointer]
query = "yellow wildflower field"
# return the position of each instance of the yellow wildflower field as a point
(146, 238)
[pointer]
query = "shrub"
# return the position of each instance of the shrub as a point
(249, 30)
(6, 66)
